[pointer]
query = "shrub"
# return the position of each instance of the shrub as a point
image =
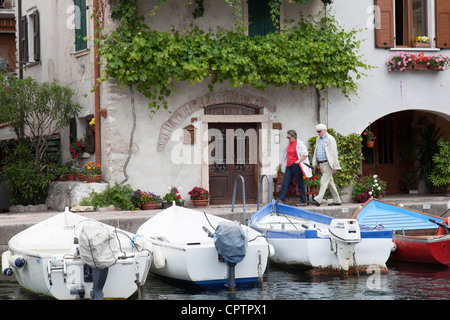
(119, 196)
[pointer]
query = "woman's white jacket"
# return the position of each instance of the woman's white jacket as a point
(301, 151)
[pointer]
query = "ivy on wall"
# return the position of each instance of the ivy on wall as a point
(310, 53)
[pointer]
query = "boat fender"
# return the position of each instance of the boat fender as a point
(394, 247)
(7, 270)
(17, 261)
(441, 230)
(271, 250)
(159, 261)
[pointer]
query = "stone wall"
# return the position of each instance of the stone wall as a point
(70, 193)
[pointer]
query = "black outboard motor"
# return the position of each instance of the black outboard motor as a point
(231, 244)
(99, 250)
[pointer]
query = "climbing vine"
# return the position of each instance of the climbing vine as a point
(318, 53)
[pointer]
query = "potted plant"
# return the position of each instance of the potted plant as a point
(145, 200)
(77, 148)
(410, 180)
(370, 138)
(440, 174)
(280, 173)
(92, 172)
(366, 187)
(314, 181)
(171, 197)
(421, 42)
(401, 61)
(199, 196)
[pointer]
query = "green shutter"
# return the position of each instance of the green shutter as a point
(259, 18)
(80, 25)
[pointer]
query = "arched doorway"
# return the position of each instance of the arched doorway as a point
(403, 143)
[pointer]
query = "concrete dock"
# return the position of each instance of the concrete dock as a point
(13, 223)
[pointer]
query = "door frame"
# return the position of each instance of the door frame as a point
(263, 148)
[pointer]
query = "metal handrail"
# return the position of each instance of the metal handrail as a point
(243, 194)
(268, 189)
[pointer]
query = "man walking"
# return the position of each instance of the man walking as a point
(326, 157)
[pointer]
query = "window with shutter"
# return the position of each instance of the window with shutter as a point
(384, 22)
(23, 39)
(80, 25)
(36, 36)
(443, 24)
(259, 19)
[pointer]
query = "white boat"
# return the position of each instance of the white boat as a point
(71, 257)
(321, 243)
(212, 252)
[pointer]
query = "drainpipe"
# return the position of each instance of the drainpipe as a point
(19, 35)
(97, 86)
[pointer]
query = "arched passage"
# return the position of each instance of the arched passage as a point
(404, 148)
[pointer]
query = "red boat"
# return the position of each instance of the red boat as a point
(418, 237)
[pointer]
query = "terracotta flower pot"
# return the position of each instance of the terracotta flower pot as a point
(94, 179)
(421, 44)
(370, 144)
(200, 203)
(149, 206)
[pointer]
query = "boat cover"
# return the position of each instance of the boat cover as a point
(230, 241)
(98, 246)
(378, 213)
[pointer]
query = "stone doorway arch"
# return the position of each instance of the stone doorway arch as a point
(215, 98)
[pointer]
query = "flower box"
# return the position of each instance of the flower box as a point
(421, 44)
(401, 61)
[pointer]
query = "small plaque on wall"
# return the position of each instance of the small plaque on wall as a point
(276, 126)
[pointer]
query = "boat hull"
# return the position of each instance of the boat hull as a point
(120, 282)
(302, 239)
(317, 256)
(201, 265)
(55, 268)
(185, 252)
(432, 249)
(415, 238)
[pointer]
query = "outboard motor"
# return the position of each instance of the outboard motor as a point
(231, 245)
(344, 234)
(99, 250)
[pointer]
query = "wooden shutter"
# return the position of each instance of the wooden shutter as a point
(259, 19)
(384, 23)
(36, 36)
(80, 25)
(443, 24)
(23, 39)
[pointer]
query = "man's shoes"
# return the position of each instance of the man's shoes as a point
(314, 202)
(334, 204)
(301, 204)
(279, 201)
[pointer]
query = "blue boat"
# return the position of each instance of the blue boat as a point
(320, 243)
(418, 237)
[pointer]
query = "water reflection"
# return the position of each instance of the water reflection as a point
(404, 281)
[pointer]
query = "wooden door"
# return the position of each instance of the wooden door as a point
(392, 154)
(233, 151)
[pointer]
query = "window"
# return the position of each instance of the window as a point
(80, 25)
(410, 21)
(259, 19)
(30, 29)
(400, 21)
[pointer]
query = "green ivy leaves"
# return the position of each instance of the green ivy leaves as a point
(319, 54)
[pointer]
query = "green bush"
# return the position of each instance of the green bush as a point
(119, 196)
(440, 174)
(27, 182)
